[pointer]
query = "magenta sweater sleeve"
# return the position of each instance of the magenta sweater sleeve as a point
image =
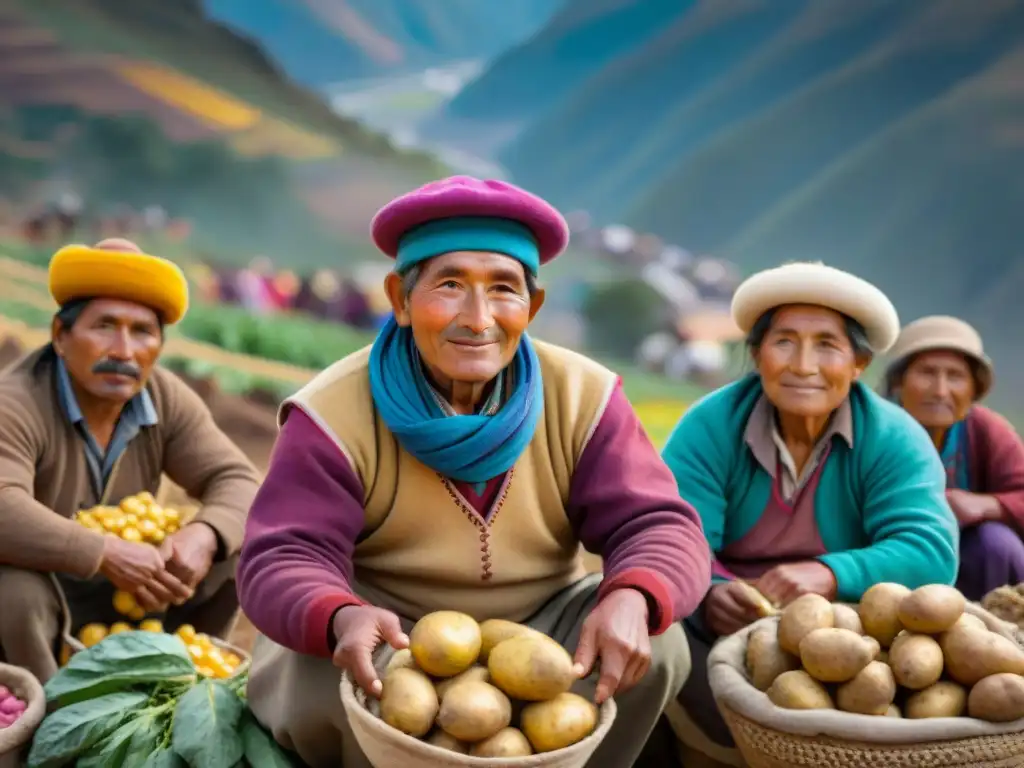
(295, 566)
(624, 505)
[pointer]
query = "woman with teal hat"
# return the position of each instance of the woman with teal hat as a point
(458, 464)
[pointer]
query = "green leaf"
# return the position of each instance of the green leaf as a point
(121, 661)
(165, 757)
(205, 730)
(70, 731)
(111, 751)
(261, 751)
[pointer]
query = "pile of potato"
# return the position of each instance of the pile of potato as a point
(136, 518)
(461, 686)
(900, 653)
(210, 661)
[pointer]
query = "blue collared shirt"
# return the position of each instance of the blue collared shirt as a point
(138, 412)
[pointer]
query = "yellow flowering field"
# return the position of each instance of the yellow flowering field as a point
(660, 417)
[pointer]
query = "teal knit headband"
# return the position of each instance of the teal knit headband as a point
(469, 233)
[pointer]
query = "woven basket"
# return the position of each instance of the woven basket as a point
(770, 737)
(386, 747)
(16, 738)
(243, 667)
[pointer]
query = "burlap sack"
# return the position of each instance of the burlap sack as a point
(386, 747)
(732, 690)
(15, 739)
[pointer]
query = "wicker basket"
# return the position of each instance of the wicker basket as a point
(770, 737)
(16, 738)
(386, 747)
(224, 645)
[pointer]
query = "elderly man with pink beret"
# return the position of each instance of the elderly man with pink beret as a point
(458, 464)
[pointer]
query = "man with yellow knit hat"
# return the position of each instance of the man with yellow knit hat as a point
(91, 419)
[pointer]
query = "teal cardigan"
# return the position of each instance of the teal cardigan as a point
(881, 504)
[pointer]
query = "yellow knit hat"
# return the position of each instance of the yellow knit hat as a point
(118, 269)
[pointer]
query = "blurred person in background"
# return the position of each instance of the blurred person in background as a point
(90, 419)
(939, 372)
(806, 481)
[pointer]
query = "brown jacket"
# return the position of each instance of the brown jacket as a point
(44, 478)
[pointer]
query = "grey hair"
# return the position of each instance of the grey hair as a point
(411, 276)
(854, 332)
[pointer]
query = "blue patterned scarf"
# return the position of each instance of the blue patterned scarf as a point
(471, 449)
(954, 457)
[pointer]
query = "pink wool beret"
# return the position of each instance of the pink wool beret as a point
(464, 196)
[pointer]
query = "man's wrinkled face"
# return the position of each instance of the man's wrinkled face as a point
(938, 388)
(111, 348)
(467, 311)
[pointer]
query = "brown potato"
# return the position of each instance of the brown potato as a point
(997, 698)
(835, 655)
(763, 605)
(493, 631)
(477, 673)
(870, 692)
(798, 690)
(446, 741)
(531, 667)
(972, 654)
(931, 609)
(765, 658)
(943, 699)
(969, 620)
(445, 643)
(474, 711)
(558, 723)
(875, 646)
(846, 617)
(408, 702)
(508, 742)
(879, 611)
(893, 711)
(916, 661)
(801, 617)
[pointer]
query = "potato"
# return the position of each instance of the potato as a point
(798, 690)
(972, 654)
(473, 711)
(531, 667)
(477, 673)
(408, 702)
(765, 658)
(879, 611)
(445, 643)
(508, 742)
(846, 617)
(893, 711)
(801, 617)
(931, 609)
(870, 692)
(969, 620)
(943, 699)
(835, 655)
(493, 631)
(882, 655)
(446, 741)
(875, 646)
(916, 661)
(763, 605)
(559, 722)
(401, 660)
(998, 698)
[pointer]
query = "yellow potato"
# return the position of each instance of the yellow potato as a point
(916, 661)
(446, 741)
(508, 742)
(764, 606)
(943, 699)
(531, 667)
(846, 617)
(997, 698)
(801, 617)
(931, 609)
(765, 658)
(833, 655)
(493, 631)
(91, 634)
(445, 643)
(879, 611)
(124, 602)
(893, 711)
(473, 711)
(400, 660)
(870, 692)
(408, 702)
(480, 674)
(559, 722)
(798, 690)
(972, 654)
(120, 626)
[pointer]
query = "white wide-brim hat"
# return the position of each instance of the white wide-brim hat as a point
(818, 285)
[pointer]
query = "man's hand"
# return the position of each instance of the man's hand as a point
(729, 607)
(785, 583)
(139, 569)
(189, 553)
(973, 508)
(616, 633)
(360, 629)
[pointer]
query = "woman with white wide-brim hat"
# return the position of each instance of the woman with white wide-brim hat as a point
(938, 371)
(806, 481)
